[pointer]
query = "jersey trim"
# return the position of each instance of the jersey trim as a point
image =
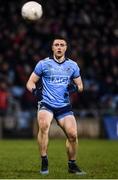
(66, 59)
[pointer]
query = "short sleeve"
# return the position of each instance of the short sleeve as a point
(38, 69)
(76, 72)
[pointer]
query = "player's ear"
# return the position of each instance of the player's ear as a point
(66, 46)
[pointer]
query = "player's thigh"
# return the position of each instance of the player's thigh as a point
(69, 125)
(44, 118)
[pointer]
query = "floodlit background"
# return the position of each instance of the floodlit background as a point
(91, 26)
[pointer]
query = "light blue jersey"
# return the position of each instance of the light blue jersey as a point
(55, 79)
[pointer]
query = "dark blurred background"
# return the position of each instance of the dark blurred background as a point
(91, 26)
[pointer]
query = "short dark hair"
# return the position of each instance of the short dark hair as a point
(59, 37)
(54, 37)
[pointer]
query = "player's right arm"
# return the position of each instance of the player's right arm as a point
(79, 83)
(31, 83)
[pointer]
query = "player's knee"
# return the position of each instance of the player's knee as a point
(43, 126)
(72, 136)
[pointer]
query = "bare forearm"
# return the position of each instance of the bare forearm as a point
(79, 84)
(80, 88)
(30, 85)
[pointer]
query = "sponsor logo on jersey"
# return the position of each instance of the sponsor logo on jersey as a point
(58, 80)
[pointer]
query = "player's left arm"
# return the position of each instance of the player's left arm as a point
(79, 83)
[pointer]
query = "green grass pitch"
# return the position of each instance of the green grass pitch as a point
(19, 159)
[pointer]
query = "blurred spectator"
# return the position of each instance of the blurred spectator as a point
(4, 97)
(92, 29)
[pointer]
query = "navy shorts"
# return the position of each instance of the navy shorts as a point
(58, 113)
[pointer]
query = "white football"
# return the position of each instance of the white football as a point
(31, 11)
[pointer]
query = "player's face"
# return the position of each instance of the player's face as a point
(59, 48)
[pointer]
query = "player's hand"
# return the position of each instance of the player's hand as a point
(72, 88)
(37, 93)
(34, 92)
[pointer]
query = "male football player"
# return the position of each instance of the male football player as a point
(57, 73)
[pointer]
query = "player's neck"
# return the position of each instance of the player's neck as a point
(59, 59)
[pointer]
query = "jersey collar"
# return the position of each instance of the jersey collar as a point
(66, 59)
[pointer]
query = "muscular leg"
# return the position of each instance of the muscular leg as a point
(68, 124)
(44, 121)
(71, 149)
